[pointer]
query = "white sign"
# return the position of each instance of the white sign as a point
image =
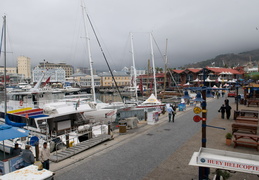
(228, 164)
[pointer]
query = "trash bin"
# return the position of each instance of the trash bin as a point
(122, 128)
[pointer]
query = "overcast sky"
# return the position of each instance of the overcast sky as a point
(196, 30)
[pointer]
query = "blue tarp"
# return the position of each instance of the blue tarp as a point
(11, 123)
(9, 132)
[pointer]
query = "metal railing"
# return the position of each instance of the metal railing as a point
(76, 141)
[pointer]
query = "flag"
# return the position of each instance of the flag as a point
(47, 81)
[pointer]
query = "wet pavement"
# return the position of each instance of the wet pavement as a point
(134, 155)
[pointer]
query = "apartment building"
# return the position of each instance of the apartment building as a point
(9, 70)
(69, 70)
(121, 78)
(24, 66)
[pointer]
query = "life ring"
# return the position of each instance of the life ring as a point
(21, 102)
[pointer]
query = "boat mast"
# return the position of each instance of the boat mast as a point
(5, 98)
(134, 68)
(166, 61)
(113, 78)
(89, 53)
(153, 63)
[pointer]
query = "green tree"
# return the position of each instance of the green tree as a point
(255, 77)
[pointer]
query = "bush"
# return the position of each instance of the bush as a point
(228, 136)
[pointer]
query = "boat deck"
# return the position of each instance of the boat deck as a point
(69, 152)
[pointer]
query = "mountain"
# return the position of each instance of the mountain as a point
(229, 60)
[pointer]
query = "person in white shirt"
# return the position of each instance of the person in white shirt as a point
(170, 113)
(44, 156)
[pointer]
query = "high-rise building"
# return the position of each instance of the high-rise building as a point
(24, 66)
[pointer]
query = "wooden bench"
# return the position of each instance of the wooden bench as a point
(246, 144)
(252, 143)
(248, 120)
(252, 101)
(244, 127)
(245, 121)
(246, 113)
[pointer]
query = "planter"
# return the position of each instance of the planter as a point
(228, 142)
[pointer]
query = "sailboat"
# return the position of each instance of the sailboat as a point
(102, 109)
(132, 92)
(152, 101)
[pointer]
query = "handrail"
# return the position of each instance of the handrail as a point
(74, 138)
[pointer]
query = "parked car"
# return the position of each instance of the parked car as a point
(232, 94)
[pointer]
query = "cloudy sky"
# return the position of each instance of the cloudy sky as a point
(196, 30)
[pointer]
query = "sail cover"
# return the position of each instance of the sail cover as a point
(152, 100)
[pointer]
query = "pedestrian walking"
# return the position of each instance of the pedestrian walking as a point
(16, 151)
(27, 155)
(228, 111)
(223, 93)
(222, 109)
(226, 102)
(170, 113)
(217, 94)
(174, 112)
(44, 156)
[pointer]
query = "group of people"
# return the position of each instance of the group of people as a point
(219, 93)
(171, 109)
(28, 157)
(225, 108)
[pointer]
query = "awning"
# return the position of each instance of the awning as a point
(228, 160)
(9, 132)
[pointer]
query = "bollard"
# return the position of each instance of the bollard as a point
(67, 140)
(37, 151)
(109, 128)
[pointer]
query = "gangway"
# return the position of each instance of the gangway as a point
(71, 151)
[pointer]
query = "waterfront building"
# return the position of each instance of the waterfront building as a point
(122, 79)
(56, 75)
(69, 70)
(147, 80)
(195, 76)
(87, 81)
(24, 66)
(84, 80)
(9, 70)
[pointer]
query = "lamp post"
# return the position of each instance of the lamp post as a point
(204, 171)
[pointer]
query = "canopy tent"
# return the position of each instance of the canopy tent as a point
(197, 80)
(152, 100)
(232, 81)
(209, 80)
(9, 132)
